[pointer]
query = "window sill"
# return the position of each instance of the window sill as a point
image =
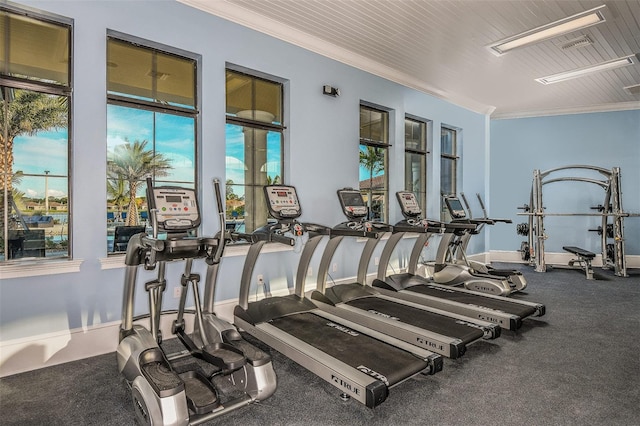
(38, 267)
(112, 262)
(242, 249)
(384, 237)
(117, 261)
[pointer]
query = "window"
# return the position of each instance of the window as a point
(415, 158)
(35, 95)
(254, 146)
(152, 115)
(374, 147)
(448, 165)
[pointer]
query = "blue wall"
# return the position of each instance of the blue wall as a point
(518, 146)
(322, 150)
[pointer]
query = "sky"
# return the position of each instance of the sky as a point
(49, 150)
(34, 155)
(174, 137)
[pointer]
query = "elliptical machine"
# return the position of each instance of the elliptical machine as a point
(185, 387)
(453, 268)
(514, 276)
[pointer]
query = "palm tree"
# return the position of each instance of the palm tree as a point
(117, 193)
(372, 159)
(18, 196)
(26, 113)
(131, 162)
(273, 180)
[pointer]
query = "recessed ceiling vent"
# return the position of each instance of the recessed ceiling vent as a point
(634, 90)
(576, 43)
(159, 75)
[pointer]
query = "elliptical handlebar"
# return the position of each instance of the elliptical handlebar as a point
(222, 240)
(140, 244)
(153, 211)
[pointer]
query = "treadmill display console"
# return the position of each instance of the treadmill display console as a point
(177, 208)
(455, 208)
(409, 204)
(282, 201)
(353, 204)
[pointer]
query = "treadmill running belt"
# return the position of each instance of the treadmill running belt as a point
(471, 299)
(351, 347)
(421, 318)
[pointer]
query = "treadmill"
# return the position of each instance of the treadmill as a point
(439, 331)
(361, 363)
(507, 313)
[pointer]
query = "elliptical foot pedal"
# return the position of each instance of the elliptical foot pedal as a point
(255, 356)
(224, 356)
(159, 374)
(161, 378)
(201, 395)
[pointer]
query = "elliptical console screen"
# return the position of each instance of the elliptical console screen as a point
(455, 208)
(177, 208)
(282, 201)
(409, 204)
(352, 203)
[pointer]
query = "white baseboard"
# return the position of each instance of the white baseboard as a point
(44, 350)
(551, 258)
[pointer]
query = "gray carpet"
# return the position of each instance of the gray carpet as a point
(577, 365)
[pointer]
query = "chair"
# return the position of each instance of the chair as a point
(123, 234)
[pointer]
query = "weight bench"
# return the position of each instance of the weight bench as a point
(584, 259)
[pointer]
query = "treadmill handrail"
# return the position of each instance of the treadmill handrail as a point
(419, 226)
(273, 233)
(460, 225)
(267, 234)
(363, 229)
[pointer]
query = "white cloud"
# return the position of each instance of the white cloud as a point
(56, 193)
(232, 163)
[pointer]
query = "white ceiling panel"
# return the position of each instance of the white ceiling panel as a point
(440, 47)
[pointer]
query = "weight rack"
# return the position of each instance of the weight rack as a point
(533, 251)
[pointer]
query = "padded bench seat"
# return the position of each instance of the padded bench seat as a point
(584, 259)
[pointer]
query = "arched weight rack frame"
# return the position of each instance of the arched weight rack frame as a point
(612, 207)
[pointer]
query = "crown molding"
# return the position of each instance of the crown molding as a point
(621, 106)
(265, 25)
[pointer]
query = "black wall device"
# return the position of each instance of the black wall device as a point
(330, 91)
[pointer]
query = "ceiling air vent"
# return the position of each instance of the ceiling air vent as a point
(581, 41)
(634, 90)
(159, 75)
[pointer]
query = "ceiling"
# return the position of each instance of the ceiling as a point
(440, 47)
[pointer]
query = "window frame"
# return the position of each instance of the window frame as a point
(257, 125)
(424, 152)
(383, 144)
(61, 90)
(454, 158)
(162, 107)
